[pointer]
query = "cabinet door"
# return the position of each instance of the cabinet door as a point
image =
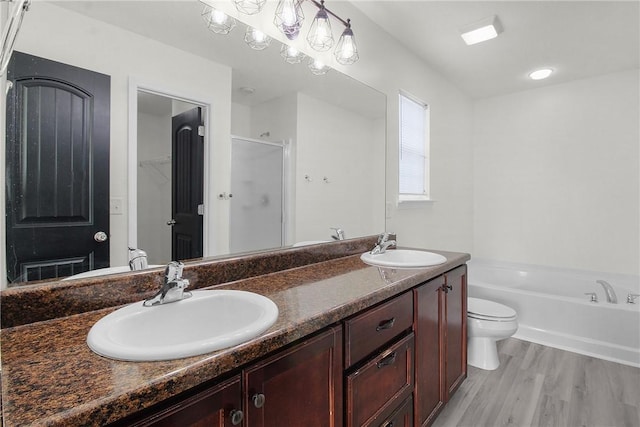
(301, 386)
(455, 328)
(429, 389)
(218, 406)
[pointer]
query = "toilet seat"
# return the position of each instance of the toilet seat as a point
(482, 309)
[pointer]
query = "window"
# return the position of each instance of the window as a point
(414, 150)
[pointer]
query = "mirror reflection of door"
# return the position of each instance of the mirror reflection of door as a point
(170, 152)
(57, 171)
(257, 186)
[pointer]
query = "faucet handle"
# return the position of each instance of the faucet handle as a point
(631, 298)
(594, 296)
(173, 271)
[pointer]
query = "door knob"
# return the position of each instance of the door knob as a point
(100, 237)
(171, 222)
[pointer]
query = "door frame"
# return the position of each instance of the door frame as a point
(136, 85)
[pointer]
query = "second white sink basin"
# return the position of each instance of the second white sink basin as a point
(403, 258)
(210, 320)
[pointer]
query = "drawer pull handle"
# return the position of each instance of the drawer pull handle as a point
(236, 417)
(258, 400)
(387, 360)
(386, 324)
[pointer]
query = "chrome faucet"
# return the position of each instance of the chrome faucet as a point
(137, 259)
(339, 234)
(173, 287)
(383, 244)
(609, 292)
(631, 298)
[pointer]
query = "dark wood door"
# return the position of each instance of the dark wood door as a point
(187, 185)
(456, 328)
(57, 169)
(429, 390)
(298, 387)
(218, 406)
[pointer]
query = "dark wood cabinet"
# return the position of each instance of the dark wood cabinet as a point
(301, 386)
(402, 417)
(455, 328)
(218, 406)
(380, 385)
(441, 342)
(429, 389)
(399, 364)
(379, 361)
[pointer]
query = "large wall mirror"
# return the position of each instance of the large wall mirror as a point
(285, 155)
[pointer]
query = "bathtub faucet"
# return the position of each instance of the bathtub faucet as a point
(608, 290)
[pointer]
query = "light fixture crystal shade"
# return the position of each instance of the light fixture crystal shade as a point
(249, 7)
(346, 52)
(256, 39)
(217, 21)
(289, 18)
(318, 67)
(291, 55)
(320, 36)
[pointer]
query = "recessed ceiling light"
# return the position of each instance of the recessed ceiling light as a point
(480, 31)
(540, 74)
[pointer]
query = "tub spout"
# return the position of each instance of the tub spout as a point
(609, 292)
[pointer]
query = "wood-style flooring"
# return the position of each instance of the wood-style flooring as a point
(543, 386)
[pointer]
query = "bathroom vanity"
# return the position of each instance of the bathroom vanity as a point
(353, 345)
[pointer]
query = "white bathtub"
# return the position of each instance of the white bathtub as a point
(553, 310)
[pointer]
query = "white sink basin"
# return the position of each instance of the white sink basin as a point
(403, 258)
(208, 321)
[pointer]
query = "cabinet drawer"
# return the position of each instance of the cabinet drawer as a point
(401, 417)
(372, 329)
(380, 384)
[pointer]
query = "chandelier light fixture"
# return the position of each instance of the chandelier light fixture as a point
(256, 39)
(346, 52)
(289, 18)
(291, 55)
(249, 7)
(320, 36)
(218, 21)
(317, 67)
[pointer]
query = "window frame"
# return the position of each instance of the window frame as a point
(425, 196)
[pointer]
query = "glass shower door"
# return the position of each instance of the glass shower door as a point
(257, 186)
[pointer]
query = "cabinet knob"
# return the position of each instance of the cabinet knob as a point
(386, 324)
(447, 288)
(236, 417)
(388, 424)
(258, 400)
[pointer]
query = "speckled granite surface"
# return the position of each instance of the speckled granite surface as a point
(51, 300)
(50, 377)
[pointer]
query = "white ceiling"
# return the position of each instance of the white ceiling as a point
(578, 39)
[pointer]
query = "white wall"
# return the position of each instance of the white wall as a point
(128, 57)
(556, 175)
(353, 189)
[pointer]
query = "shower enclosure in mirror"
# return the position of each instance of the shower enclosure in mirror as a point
(334, 125)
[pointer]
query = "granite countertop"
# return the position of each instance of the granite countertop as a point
(51, 377)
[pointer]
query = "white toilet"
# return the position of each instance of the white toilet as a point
(487, 322)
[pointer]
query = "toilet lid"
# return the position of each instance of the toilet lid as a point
(489, 310)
